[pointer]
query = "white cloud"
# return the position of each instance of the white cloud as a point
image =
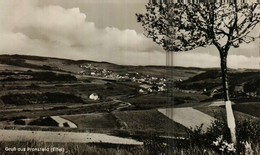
(196, 59)
(240, 61)
(55, 31)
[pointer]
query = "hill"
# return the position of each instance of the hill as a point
(34, 87)
(47, 94)
(73, 66)
(243, 85)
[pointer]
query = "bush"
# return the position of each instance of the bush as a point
(48, 121)
(218, 137)
(19, 122)
(40, 98)
(51, 76)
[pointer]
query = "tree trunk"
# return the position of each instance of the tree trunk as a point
(230, 115)
(224, 77)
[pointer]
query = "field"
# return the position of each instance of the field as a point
(94, 120)
(220, 112)
(149, 120)
(130, 122)
(71, 148)
(189, 117)
(40, 94)
(248, 108)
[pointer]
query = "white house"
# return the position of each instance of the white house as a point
(141, 91)
(94, 96)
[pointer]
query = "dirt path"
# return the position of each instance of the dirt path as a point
(188, 117)
(64, 137)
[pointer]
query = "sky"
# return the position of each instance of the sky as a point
(100, 30)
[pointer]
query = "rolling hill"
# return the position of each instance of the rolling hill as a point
(34, 88)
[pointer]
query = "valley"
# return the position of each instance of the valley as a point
(61, 95)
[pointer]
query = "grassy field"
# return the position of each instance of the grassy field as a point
(248, 108)
(148, 101)
(129, 121)
(188, 117)
(149, 120)
(69, 148)
(33, 98)
(158, 100)
(94, 120)
(150, 148)
(219, 113)
(21, 113)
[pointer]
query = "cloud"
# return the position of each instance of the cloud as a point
(56, 31)
(240, 61)
(196, 59)
(51, 30)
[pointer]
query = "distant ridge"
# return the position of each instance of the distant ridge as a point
(81, 61)
(32, 57)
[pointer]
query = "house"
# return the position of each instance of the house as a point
(145, 86)
(215, 91)
(154, 78)
(239, 89)
(141, 91)
(150, 90)
(161, 88)
(94, 97)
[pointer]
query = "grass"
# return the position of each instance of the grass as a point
(150, 148)
(196, 144)
(94, 120)
(218, 137)
(152, 120)
(71, 149)
(128, 122)
(148, 101)
(218, 113)
(12, 115)
(159, 100)
(248, 108)
(148, 120)
(33, 98)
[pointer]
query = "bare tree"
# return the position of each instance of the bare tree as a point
(181, 27)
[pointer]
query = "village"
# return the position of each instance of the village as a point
(147, 83)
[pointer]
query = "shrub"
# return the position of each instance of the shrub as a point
(19, 122)
(40, 98)
(48, 121)
(218, 137)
